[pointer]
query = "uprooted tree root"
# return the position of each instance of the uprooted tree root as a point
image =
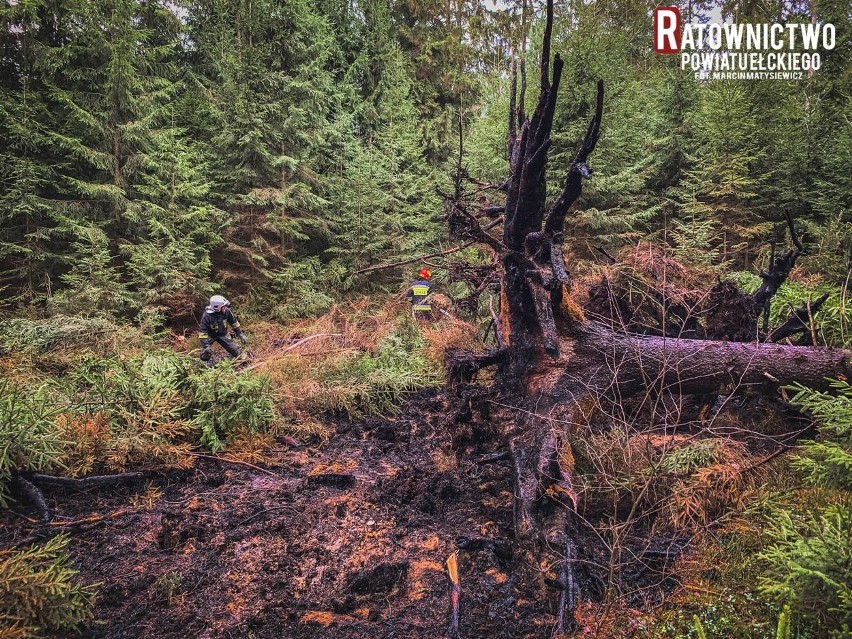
(461, 366)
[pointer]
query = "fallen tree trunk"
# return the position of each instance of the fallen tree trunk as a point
(598, 360)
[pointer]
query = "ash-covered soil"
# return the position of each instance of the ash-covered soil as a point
(345, 540)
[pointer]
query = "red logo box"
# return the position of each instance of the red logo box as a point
(667, 30)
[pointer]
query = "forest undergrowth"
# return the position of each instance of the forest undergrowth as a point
(700, 517)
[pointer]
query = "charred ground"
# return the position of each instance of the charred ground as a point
(346, 540)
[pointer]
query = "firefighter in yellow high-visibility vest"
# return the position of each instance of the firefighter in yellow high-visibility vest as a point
(418, 295)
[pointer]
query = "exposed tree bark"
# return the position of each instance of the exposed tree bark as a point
(603, 361)
(35, 496)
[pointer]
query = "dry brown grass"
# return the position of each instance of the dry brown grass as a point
(646, 285)
(94, 445)
(249, 447)
(607, 621)
(656, 267)
(448, 333)
(306, 361)
(705, 479)
(680, 482)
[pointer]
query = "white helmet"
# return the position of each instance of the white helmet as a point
(217, 302)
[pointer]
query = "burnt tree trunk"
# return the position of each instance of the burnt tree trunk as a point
(550, 357)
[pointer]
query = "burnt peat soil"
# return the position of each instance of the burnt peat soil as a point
(345, 540)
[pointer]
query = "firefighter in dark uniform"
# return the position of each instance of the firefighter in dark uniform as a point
(418, 295)
(214, 328)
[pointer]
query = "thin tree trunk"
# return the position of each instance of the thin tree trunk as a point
(116, 164)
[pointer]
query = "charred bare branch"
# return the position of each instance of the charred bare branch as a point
(779, 270)
(467, 225)
(503, 455)
(794, 237)
(462, 223)
(235, 462)
(607, 255)
(479, 278)
(82, 483)
(522, 98)
(419, 258)
(488, 186)
(35, 497)
(798, 321)
(546, 322)
(513, 129)
(526, 488)
(569, 590)
(557, 262)
(545, 49)
(577, 172)
(512, 195)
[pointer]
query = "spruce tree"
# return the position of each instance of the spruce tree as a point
(100, 81)
(32, 222)
(719, 201)
(265, 65)
(393, 209)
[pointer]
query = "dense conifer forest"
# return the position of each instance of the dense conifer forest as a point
(629, 413)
